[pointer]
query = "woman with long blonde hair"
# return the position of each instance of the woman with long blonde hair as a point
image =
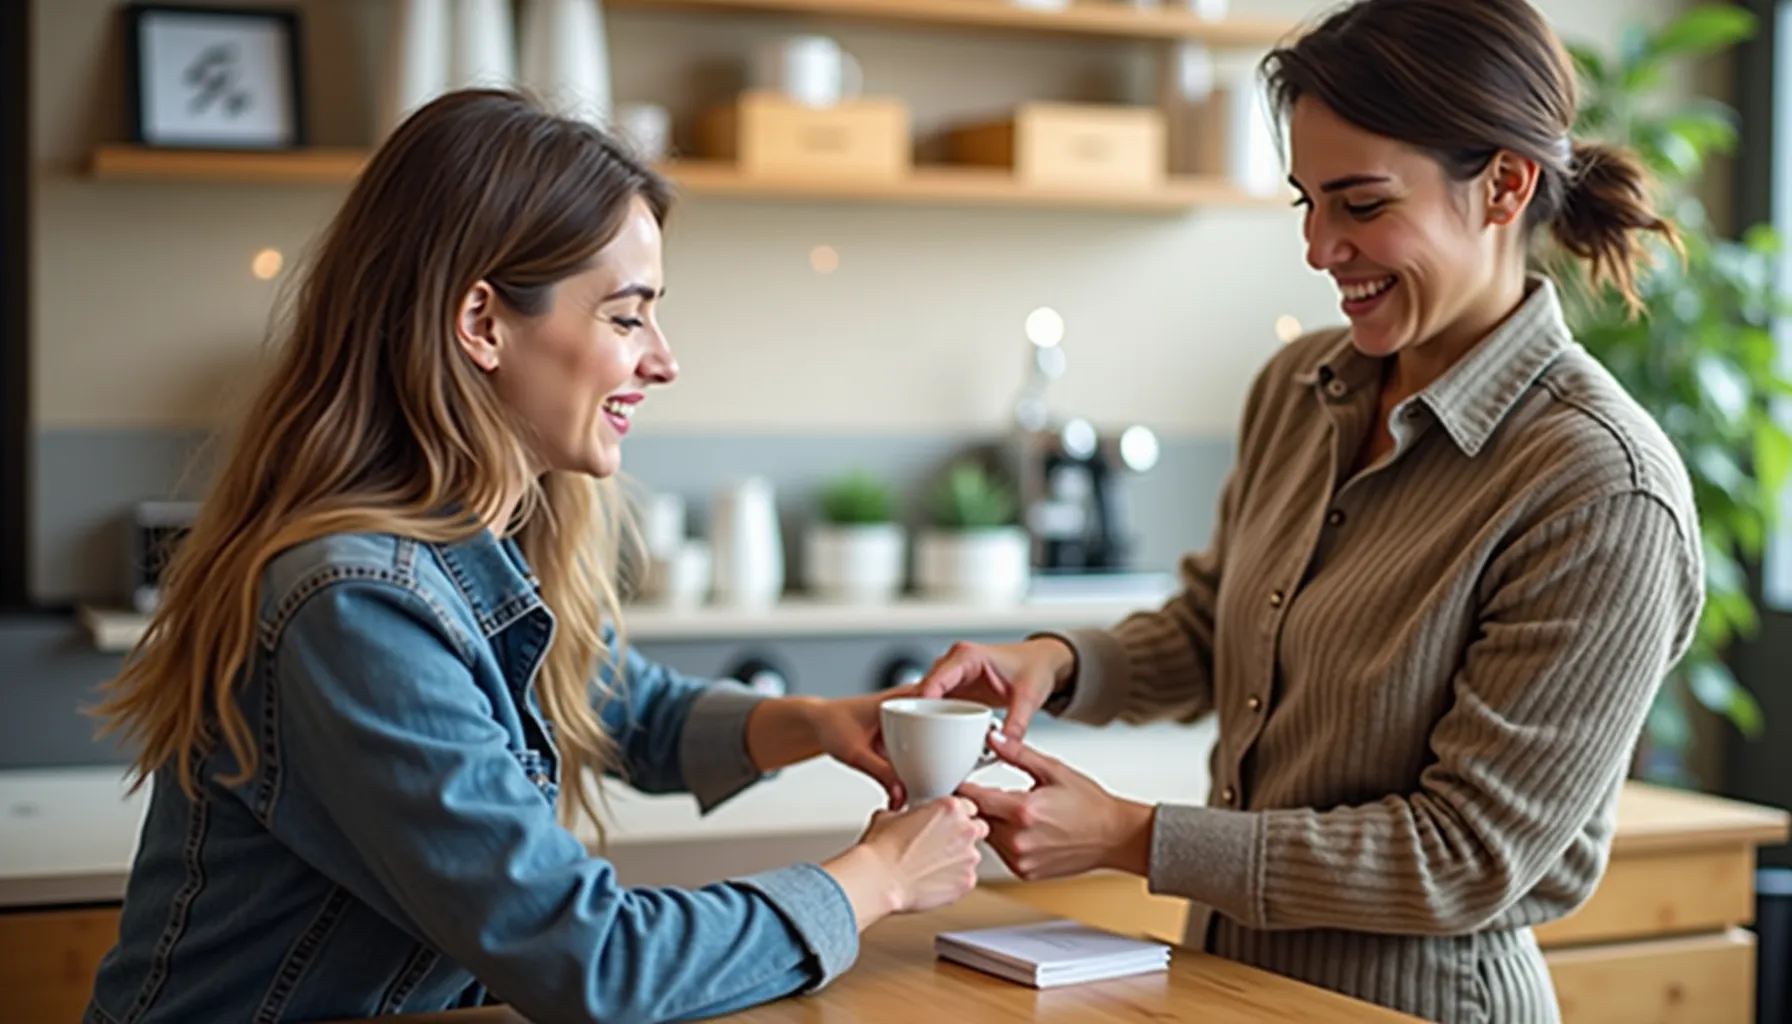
(384, 646)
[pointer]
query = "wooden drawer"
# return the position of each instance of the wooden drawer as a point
(48, 959)
(770, 136)
(1069, 145)
(1700, 979)
(1652, 894)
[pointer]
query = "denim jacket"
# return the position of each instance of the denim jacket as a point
(396, 849)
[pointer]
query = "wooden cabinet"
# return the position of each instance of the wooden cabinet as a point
(48, 959)
(1661, 941)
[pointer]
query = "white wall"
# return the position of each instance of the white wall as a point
(146, 312)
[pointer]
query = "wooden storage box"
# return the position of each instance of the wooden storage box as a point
(1069, 145)
(767, 135)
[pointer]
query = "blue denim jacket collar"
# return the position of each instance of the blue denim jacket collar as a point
(494, 578)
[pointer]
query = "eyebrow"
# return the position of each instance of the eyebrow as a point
(1348, 181)
(640, 291)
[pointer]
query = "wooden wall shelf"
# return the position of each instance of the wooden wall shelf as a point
(1111, 19)
(255, 167)
(927, 185)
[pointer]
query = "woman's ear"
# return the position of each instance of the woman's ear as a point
(1511, 181)
(477, 328)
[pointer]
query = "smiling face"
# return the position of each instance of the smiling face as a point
(576, 373)
(1419, 260)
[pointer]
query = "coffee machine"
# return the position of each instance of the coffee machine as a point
(1073, 479)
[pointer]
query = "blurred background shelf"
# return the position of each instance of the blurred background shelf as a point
(118, 630)
(713, 178)
(1115, 20)
(317, 166)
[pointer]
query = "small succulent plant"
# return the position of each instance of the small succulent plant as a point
(969, 497)
(858, 498)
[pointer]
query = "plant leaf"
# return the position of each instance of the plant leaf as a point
(1773, 455)
(1589, 64)
(1667, 724)
(1715, 687)
(1702, 30)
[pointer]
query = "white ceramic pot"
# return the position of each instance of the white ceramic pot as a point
(416, 59)
(566, 57)
(984, 566)
(748, 550)
(860, 564)
(483, 50)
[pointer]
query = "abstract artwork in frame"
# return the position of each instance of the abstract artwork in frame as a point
(214, 78)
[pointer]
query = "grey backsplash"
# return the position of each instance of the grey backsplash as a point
(85, 482)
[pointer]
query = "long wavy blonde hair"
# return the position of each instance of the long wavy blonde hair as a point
(372, 420)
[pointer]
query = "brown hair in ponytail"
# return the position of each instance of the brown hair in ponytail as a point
(1465, 81)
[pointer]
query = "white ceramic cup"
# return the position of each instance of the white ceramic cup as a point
(935, 744)
(811, 70)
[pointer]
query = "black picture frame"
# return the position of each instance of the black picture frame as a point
(214, 77)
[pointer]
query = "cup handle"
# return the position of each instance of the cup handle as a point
(853, 81)
(988, 757)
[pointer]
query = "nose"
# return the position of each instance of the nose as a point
(658, 366)
(1327, 246)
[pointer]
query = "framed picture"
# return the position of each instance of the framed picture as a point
(214, 78)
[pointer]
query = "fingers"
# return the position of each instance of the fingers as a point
(961, 664)
(995, 804)
(1020, 711)
(1043, 769)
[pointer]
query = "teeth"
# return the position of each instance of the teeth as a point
(622, 409)
(1359, 292)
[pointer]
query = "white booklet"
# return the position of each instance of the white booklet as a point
(1052, 953)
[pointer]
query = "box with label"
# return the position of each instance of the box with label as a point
(767, 135)
(1066, 144)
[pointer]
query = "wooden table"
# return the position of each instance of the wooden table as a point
(1662, 939)
(898, 980)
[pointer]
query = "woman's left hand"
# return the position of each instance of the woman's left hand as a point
(1065, 825)
(850, 730)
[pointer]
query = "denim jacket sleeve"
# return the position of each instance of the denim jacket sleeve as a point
(678, 733)
(394, 779)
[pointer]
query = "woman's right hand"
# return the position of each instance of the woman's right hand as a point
(1020, 677)
(912, 860)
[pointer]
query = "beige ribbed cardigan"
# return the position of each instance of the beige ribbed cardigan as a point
(1429, 676)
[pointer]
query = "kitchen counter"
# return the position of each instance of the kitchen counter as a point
(897, 980)
(67, 836)
(1057, 604)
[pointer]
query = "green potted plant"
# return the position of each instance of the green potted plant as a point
(855, 553)
(1701, 358)
(973, 551)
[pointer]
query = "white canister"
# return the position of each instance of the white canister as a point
(566, 58)
(416, 60)
(811, 70)
(483, 49)
(663, 523)
(747, 547)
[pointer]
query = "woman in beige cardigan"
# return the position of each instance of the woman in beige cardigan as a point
(1452, 563)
